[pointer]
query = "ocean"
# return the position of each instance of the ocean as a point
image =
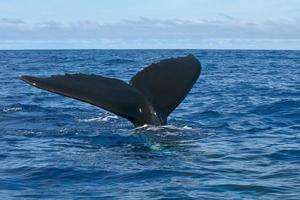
(235, 136)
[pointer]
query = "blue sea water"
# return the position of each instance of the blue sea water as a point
(235, 136)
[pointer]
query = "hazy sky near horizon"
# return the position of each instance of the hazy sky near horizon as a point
(217, 24)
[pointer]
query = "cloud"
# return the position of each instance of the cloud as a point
(145, 31)
(7, 21)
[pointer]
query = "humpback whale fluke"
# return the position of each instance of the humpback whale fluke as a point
(151, 95)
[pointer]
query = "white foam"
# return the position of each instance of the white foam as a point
(187, 128)
(99, 119)
(155, 128)
(13, 109)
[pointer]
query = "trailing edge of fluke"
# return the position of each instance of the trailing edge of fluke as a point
(151, 95)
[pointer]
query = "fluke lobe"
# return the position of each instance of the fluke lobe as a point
(151, 95)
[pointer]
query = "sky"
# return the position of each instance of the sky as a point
(154, 24)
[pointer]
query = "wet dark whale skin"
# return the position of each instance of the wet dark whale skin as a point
(151, 95)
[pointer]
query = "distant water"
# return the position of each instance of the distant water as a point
(236, 135)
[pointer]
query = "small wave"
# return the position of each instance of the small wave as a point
(24, 107)
(244, 188)
(11, 109)
(118, 61)
(280, 106)
(285, 154)
(99, 119)
(164, 138)
(148, 127)
(210, 113)
(52, 173)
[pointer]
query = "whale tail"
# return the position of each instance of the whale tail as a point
(151, 95)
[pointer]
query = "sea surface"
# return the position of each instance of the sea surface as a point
(235, 136)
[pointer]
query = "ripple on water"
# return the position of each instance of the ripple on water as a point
(235, 136)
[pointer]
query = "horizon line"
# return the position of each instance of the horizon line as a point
(238, 49)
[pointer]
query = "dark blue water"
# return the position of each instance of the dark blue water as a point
(236, 135)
